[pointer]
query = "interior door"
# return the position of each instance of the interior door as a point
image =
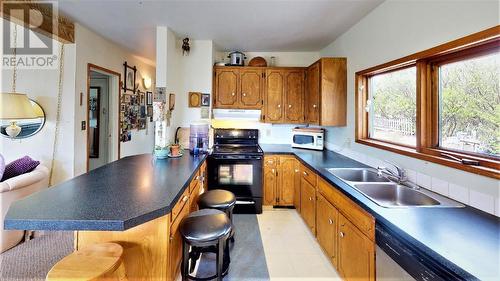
(251, 88)
(326, 222)
(356, 253)
(287, 181)
(274, 96)
(312, 94)
(294, 96)
(226, 88)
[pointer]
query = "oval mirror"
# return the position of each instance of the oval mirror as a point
(29, 127)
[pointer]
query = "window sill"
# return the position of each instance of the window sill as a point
(412, 152)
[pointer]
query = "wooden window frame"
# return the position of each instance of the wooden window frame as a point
(427, 131)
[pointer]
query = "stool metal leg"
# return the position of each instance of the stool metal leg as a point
(185, 261)
(220, 258)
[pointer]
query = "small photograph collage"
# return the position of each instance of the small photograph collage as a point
(135, 106)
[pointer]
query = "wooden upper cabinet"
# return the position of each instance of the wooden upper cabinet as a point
(274, 96)
(294, 96)
(312, 94)
(356, 253)
(251, 88)
(226, 88)
(326, 93)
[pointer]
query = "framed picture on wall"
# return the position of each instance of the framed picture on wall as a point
(149, 98)
(205, 99)
(129, 76)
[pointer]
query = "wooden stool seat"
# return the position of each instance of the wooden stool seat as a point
(97, 262)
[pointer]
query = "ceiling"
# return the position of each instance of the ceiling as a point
(272, 25)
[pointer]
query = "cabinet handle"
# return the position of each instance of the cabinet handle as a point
(244, 94)
(305, 173)
(197, 178)
(341, 234)
(330, 221)
(232, 94)
(273, 171)
(171, 237)
(310, 199)
(314, 106)
(185, 198)
(296, 170)
(289, 106)
(279, 105)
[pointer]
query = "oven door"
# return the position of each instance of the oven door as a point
(241, 175)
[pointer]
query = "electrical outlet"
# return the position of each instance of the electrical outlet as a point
(84, 125)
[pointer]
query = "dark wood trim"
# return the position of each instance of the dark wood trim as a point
(65, 27)
(427, 131)
(90, 67)
(479, 170)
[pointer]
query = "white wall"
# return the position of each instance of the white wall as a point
(92, 48)
(41, 85)
(396, 29)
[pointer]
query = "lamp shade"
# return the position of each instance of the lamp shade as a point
(15, 106)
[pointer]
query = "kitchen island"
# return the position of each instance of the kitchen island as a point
(136, 201)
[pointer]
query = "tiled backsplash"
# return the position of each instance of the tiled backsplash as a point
(482, 201)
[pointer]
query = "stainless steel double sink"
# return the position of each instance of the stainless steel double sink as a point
(386, 193)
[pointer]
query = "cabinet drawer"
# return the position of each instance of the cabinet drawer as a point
(194, 181)
(178, 207)
(308, 175)
(359, 217)
(271, 161)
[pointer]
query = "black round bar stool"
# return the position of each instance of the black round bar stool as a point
(221, 200)
(206, 230)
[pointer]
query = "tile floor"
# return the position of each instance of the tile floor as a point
(292, 252)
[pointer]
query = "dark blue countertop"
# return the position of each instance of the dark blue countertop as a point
(117, 196)
(464, 240)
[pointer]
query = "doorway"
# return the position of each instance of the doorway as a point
(103, 145)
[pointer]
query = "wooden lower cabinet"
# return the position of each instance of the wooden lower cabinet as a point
(308, 204)
(356, 253)
(270, 179)
(281, 180)
(326, 227)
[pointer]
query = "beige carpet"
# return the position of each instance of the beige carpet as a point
(32, 260)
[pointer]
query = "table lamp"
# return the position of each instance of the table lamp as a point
(15, 106)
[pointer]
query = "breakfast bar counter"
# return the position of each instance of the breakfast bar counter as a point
(118, 196)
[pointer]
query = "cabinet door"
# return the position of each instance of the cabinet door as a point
(287, 180)
(270, 180)
(308, 204)
(226, 87)
(251, 88)
(175, 244)
(296, 179)
(294, 96)
(312, 94)
(274, 96)
(356, 253)
(326, 222)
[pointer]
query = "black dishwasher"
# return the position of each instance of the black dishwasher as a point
(411, 259)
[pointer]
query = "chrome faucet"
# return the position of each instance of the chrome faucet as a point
(398, 176)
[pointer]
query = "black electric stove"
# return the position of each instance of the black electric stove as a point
(235, 164)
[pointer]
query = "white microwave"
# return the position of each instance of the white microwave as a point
(308, 138)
